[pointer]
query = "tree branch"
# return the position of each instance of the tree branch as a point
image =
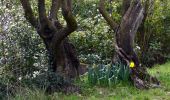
(54, 8)
(148, 7)
(29, 13)
(42, 11)
(70, 20)
(106, 16)
(126, 5)
(68, 16)
(129, 25)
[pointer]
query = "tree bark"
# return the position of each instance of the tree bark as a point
(63, 59)
(125, 35)
(125, 6)
(62, 54)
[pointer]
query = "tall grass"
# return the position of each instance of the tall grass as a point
(108, 75)
(120, 92)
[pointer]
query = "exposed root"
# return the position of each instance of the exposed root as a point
(142, 80)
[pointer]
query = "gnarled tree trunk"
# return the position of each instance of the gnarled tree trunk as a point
(125, 35)
(62, 54)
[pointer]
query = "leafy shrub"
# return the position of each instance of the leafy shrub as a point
(22, 51)
(94, 40)
(3, 91)
(154, 54)
(156, 35)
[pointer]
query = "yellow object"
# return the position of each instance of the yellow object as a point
(132, 64)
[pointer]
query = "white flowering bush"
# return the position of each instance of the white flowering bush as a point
(94, 40)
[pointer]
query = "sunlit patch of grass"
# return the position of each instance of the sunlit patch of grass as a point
(162, 72)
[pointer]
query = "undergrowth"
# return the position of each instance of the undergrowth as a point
(119, 91)
(108, 75)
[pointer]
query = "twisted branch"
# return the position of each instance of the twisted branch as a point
(29, 13)
(56, 4)
(42, 11)
(70, 20)
(106, 15)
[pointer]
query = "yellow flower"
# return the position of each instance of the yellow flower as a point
(132, 64)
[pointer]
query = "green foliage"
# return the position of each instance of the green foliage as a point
(49, 81)
(3, 91)
(121, 91)
(155, 46)
(154, 54)
(94, 39)
(23, 59)
(43, 80)
(108, 75)
(22, 51)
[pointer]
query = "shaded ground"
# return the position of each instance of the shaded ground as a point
(119, 92)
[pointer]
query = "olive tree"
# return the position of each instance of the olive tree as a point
(132, 16)
(62, 54)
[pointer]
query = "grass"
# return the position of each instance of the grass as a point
(119, 92)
